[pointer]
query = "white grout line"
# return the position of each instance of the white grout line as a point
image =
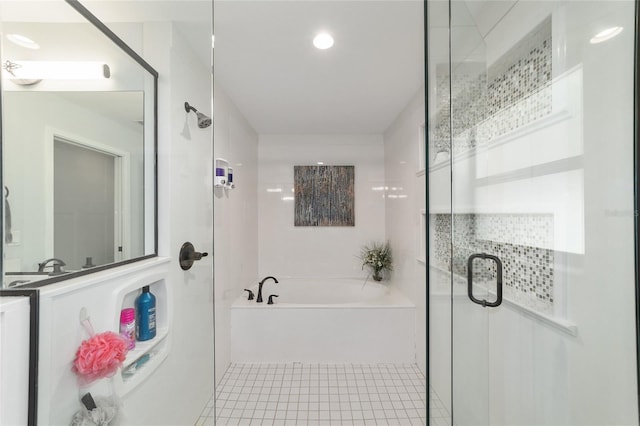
(318, 394)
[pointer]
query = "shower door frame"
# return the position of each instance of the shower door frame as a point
(636, 183)
(636, 197)
(427, 237)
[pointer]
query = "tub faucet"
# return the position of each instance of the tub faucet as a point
(56, 263)
(259, 299)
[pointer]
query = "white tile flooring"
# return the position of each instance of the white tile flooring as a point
(438, 411)
(322, 394)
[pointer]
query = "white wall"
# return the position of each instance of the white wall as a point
(287, 250)
(600, 293)
(235, 219)
(403, 210)
(176, 392)
(184, 383)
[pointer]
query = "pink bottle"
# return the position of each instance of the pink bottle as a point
(128, 326)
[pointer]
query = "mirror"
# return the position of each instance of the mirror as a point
(79, 147)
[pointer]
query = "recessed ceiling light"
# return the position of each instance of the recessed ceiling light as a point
(323, 41)
(605, 35)
(23, 41)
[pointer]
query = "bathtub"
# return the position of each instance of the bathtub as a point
(324, 321)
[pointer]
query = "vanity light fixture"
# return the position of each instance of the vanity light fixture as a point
(605, 35)
(23, 41)
(323, 41)
(55, 70)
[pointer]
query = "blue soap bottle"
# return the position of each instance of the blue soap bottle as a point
(145, 315)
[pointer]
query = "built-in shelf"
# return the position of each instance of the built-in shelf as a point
(511, 136)
(147, 355)
(144, 348)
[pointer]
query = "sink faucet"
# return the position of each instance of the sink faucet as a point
(57, 265)
(259, 299)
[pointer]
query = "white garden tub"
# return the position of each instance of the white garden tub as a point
(324, 321)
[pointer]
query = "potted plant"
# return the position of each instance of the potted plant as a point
(377, 257)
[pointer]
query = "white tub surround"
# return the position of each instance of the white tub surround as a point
(324, 321)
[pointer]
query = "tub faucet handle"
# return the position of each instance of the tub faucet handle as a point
(271, 296)
(250, 294)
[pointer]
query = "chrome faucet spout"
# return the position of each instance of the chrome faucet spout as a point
(56, 263)
(260, 284)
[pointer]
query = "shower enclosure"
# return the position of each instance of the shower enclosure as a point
(532, 272)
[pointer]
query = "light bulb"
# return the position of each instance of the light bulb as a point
(323, 41)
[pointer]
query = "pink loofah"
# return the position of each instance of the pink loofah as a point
(99, 356)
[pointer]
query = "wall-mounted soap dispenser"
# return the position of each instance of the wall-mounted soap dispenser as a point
(230, 183)
(222, 166)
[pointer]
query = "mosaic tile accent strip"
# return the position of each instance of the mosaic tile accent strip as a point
(470, 100)
(519, 84)
(487, 103)
(527, 261)
(523, 70)
(440, 139)
(442, 239)
(324, 195)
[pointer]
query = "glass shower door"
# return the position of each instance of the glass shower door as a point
(541, 226)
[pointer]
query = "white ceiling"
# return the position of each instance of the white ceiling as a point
(264, 58)
(265, 61)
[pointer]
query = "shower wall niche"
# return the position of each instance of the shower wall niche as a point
(522, 243)
(521, 208)
(491, 100)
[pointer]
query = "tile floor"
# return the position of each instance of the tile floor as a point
(438, 411)
(322, 394)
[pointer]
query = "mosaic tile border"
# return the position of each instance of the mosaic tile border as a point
(487, 103)
(518, 240)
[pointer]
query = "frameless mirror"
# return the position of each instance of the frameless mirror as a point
(78, 129)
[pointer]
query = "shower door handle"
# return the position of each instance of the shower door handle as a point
(483, 302)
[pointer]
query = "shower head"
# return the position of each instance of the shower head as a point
(203, 120)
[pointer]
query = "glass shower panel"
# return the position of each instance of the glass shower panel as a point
(439, 180)
(542, 235)
(470, 327)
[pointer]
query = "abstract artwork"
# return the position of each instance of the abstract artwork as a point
(324, 195)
